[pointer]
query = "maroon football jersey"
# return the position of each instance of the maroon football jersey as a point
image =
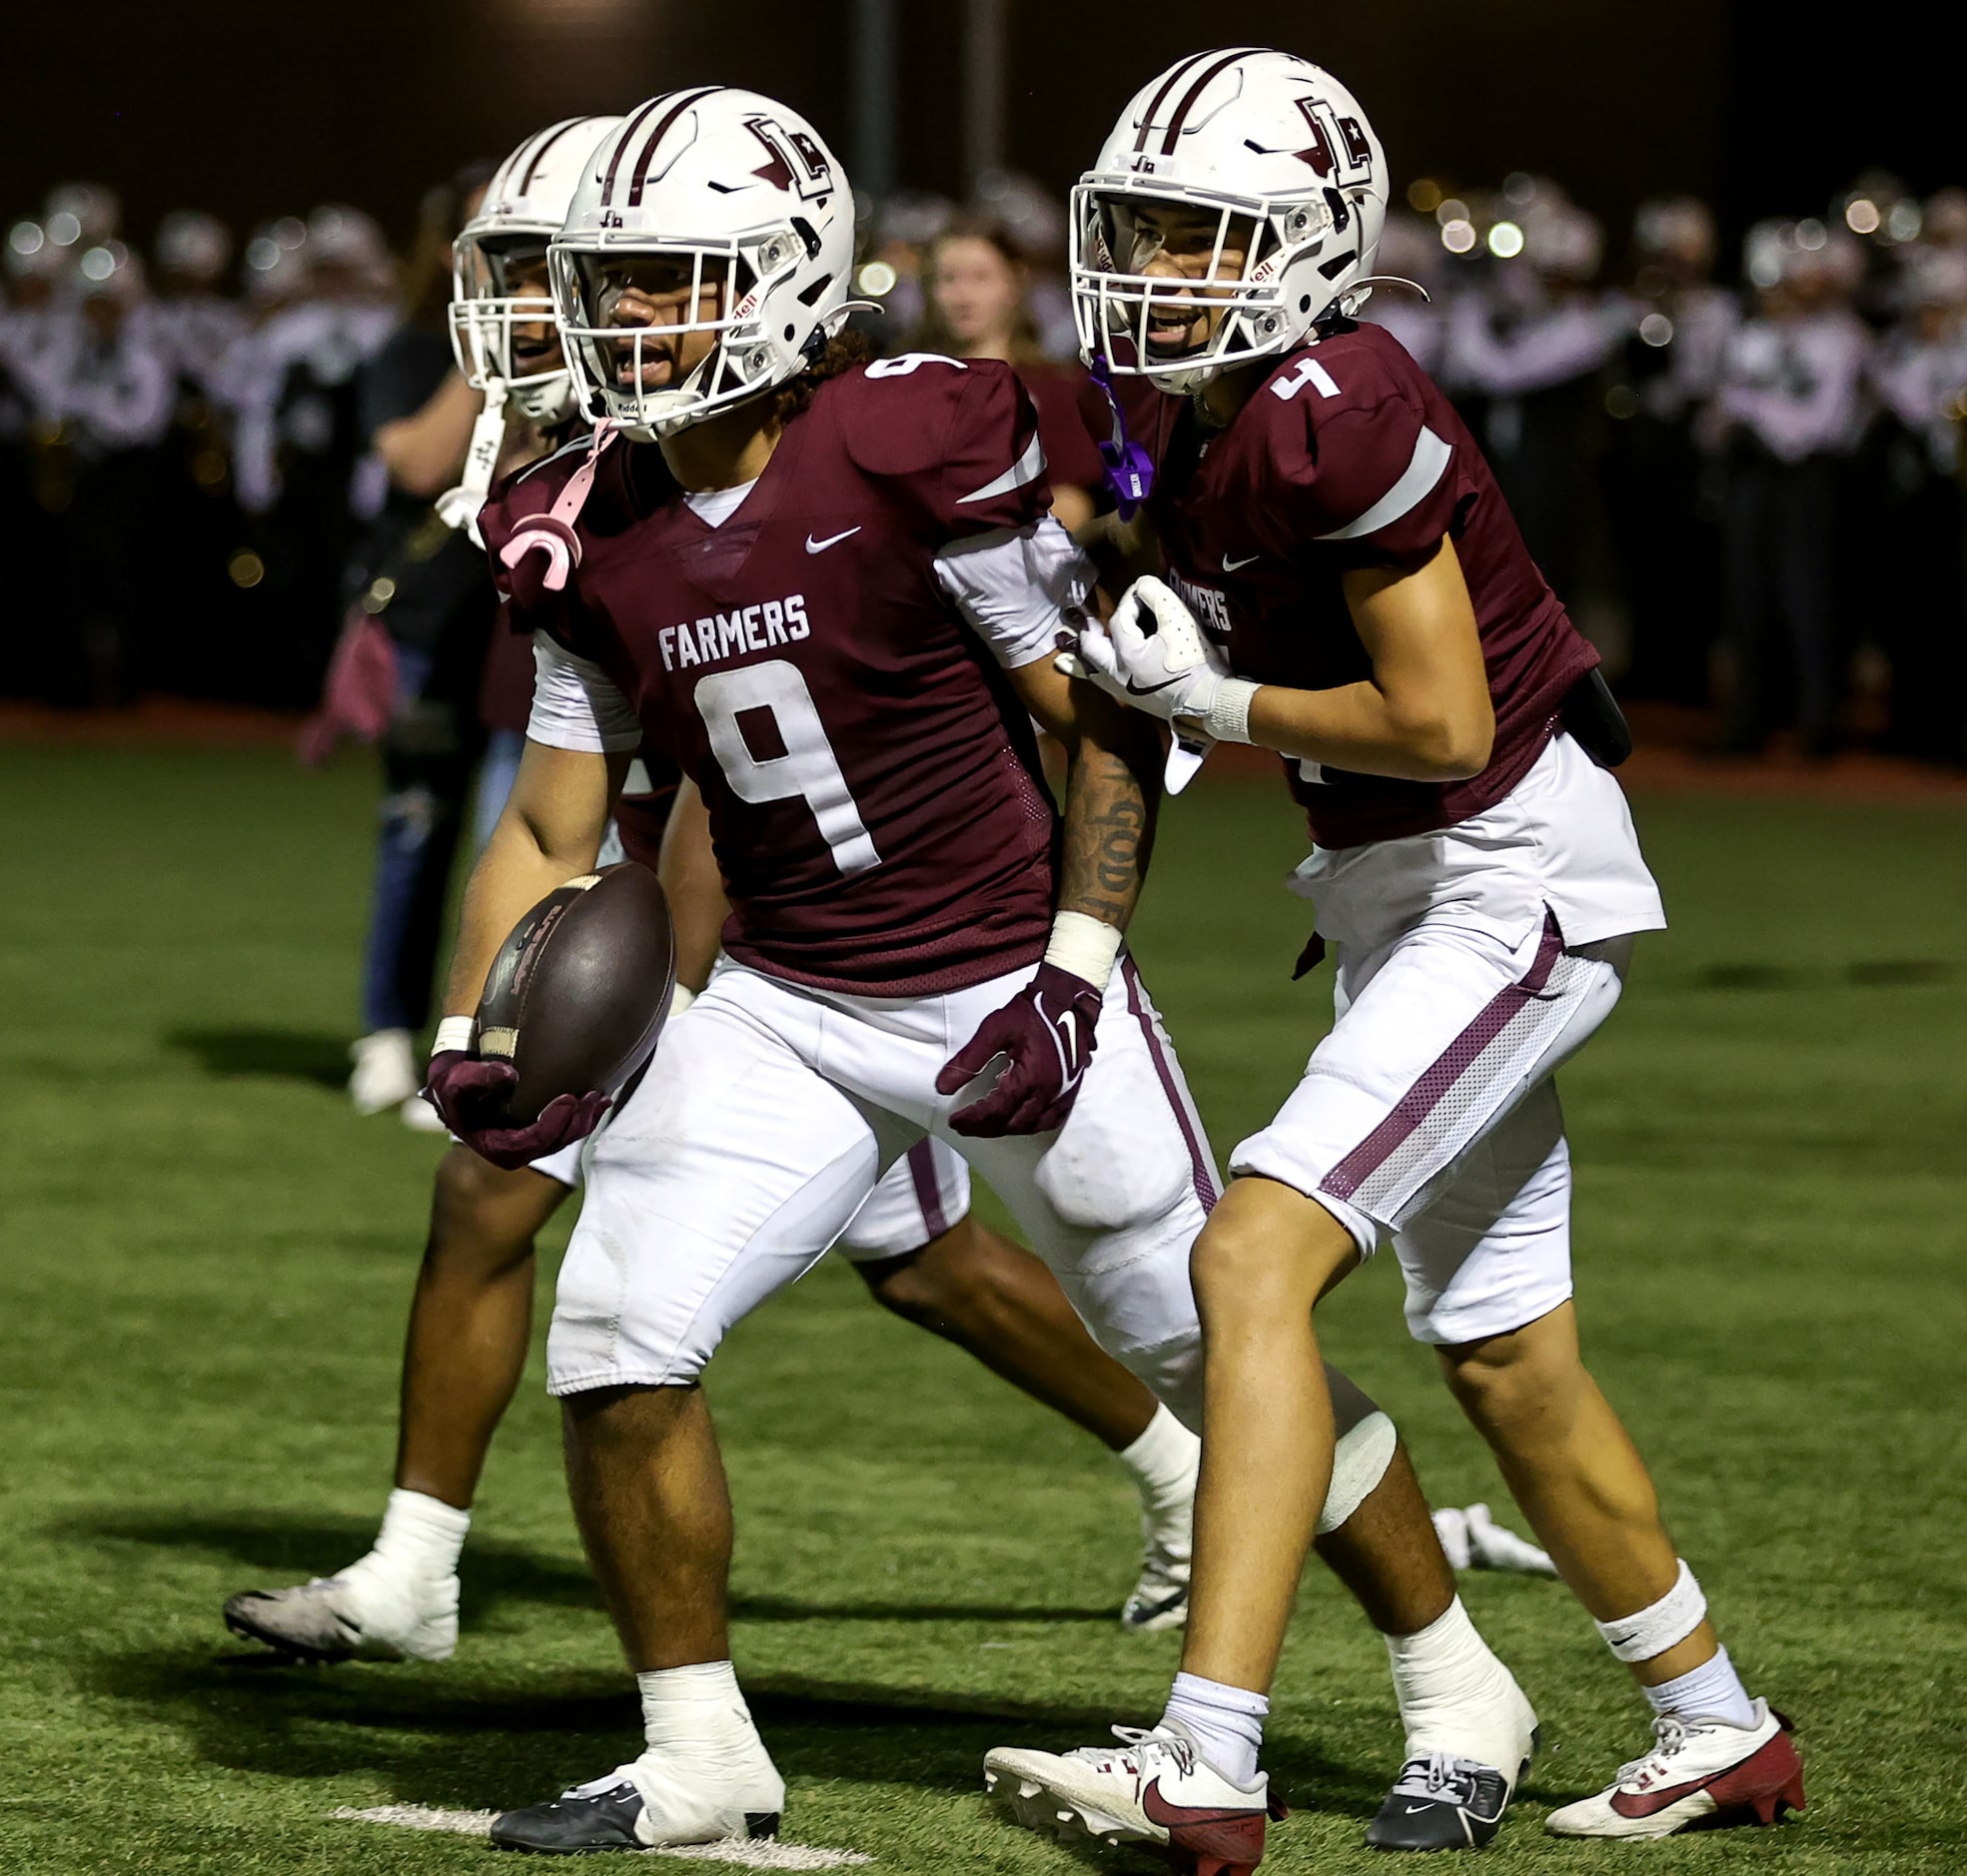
(1072, 457)
(874, 790)
(1348, 455)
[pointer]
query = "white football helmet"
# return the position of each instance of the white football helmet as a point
(524, 203)
(746, 205)
(1280, 153)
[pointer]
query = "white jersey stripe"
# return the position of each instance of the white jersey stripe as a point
(1430, 459)
(1027, 468)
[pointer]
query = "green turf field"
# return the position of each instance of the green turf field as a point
(204, 1260)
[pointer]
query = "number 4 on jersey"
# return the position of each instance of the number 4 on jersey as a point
(807, 769)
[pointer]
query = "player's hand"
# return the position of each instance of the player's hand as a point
(470, 1094)
(1047, 1035)
(1151, 654)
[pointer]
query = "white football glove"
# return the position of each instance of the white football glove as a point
(1169, 672)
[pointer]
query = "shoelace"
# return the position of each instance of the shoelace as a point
(1438, 1776)
(1142, 1746)
(1670, 1735)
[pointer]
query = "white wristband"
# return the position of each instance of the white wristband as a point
(1228, 719)
(1084, 946)
(457, 1034)
(681, 999)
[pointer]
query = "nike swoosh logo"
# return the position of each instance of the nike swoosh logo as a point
(820, 546)
(1067, 1029)
(1233, 566)
(1646, 1804)
(1158, 1810)
(1147, 691)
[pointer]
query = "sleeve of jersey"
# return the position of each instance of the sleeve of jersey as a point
(1364, 472)
(576, 704)
(513, 502)
(993, 465)
(1015, 589)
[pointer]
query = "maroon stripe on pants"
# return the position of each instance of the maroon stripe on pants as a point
(1205, 1185)
(1447, 1068)
(928, 1193)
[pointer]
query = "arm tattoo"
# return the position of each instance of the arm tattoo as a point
(1109, 834)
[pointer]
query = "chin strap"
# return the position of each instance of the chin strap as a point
(1361, 291)
(1130, 470)
(553, 533)
(459, 507)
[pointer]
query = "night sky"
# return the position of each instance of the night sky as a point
(255, 109)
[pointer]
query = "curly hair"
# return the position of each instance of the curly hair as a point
(843, 352)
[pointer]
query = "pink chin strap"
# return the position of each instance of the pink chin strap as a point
(553, 533)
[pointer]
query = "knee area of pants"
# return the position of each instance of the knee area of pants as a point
(1096, 1183)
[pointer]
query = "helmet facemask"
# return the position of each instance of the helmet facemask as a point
(646, 373)
(1235, 277)
(502, 323)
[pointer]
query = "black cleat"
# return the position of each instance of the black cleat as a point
(602, 1815)
(1441, 1803)
(577, 1821)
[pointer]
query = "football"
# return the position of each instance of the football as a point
(580, 988)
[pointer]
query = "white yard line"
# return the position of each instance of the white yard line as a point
(748, 1853)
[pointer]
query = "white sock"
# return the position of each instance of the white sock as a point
(1446, 1665)
(1163, 1462)
(420, 1535)
(1712, 1690)
(689, 1708)
(1228, 1723)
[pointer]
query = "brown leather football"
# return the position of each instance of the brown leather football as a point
(580, 988)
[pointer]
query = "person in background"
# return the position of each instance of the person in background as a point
(893, 238)
(1662, 489)
(200, 321)
(1034, 223)
(1790, 408)
(426, 582)
(1918, 376)
(109, 387)
(34, 462)
(198, 324)
(975, 283)
(1527, 353)
(328, 289)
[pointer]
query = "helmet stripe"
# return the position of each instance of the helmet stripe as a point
(1176, 72)
(657, 135)
(622, 139)
(1195, 90)
(539, 152)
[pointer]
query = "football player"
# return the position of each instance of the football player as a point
(913, 1242)
(831, 592)
(1346, 586)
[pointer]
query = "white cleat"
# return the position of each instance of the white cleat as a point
(1154, 1788)
(1698, 1768)
(421, 1118)
(1160, 1598)
(387, 1072)
(367, 1611)
(1474, 1541)
(661, 1799)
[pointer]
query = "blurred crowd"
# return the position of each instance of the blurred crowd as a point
(1742, 472)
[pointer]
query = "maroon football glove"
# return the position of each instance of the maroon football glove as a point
(470, 1093)
(1047, 1032)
